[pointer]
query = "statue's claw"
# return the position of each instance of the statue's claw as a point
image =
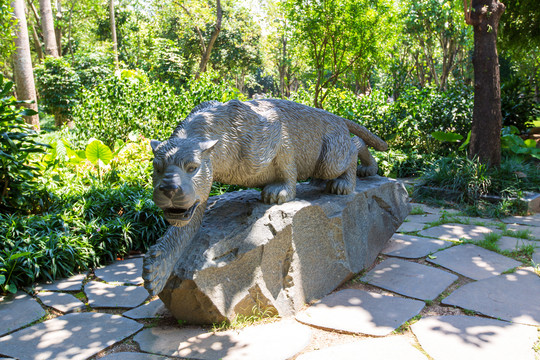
(276, 194)
(340, 186)
(156, 272)
(369, 170)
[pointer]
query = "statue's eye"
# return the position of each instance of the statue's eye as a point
(158, 168)
(191, 169)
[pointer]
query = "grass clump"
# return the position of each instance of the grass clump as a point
(258, 314)
(470, 183)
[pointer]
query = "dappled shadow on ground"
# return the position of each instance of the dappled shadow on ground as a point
(73, 336)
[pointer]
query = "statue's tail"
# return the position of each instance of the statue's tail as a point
(369, 138)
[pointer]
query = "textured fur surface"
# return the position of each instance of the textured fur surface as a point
(270, 144)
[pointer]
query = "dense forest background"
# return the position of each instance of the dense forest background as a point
(280, 47)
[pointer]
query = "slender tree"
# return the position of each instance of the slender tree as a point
(47, 26)
(485, 143)
(57, 27)
(215, 33)
(22, 63)
(206, 49)
(113, 32)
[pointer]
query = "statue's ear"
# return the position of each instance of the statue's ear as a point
(206, 146)
(154, 144)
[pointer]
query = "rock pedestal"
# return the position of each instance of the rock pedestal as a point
(249, 257)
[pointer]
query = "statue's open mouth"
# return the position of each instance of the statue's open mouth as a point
(180, 215)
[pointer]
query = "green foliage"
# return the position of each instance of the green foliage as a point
(339, 37)
(58, 86)
(516, 146)
(472, 180)
(517, 104)
(124, 104)
(7, 24)
(85, 228)
(164, 62)
(87, 222)
(406, 123)
(19, 189)
(446, 136)
(131, 103)
(98, 154)
(93, 68)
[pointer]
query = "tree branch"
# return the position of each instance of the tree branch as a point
(201, 39)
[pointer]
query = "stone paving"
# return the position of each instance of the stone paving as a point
(434, 293)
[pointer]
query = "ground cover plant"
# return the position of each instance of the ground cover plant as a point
(469, 182)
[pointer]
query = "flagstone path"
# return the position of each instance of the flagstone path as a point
(430, 295)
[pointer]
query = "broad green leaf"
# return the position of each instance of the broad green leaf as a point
(518, 149)
(97, 151)
(12, 288)
(2, 279)
(446, 136)
(530, 143)
(18, 255)
(467, 141)
(28, 112)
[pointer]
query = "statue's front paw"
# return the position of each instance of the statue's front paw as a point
(156, 270)
(363, 170)
(277, 194)
(340, 186)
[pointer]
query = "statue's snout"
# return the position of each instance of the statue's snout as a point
(170, 190)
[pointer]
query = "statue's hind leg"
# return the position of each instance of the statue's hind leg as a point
(338, 164)
(368, 164)
(345, 183)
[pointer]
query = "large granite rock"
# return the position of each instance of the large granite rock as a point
(251, 256)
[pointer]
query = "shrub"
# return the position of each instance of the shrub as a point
(407, 122)
(19, 189)
(472, 179)
(93, 68)
(517, 104)
(131, 103)
(86, 228)
(58, 85)
(124, 104)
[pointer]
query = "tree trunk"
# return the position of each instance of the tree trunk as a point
(22, 63)
(485, 143)
(113, 32)
(37, 44)
(57, 28)
(47, 26)
(217, 29)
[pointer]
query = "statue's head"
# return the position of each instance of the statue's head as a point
(182, 177)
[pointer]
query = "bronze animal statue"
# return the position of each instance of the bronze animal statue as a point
(270, 144)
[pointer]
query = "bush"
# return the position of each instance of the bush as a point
(58, 85)
(472, 180)
(85, 229)
(130, 103)
(407, 122)
(19, 189)
(93, 68)
(517, 104)
(124, 104)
